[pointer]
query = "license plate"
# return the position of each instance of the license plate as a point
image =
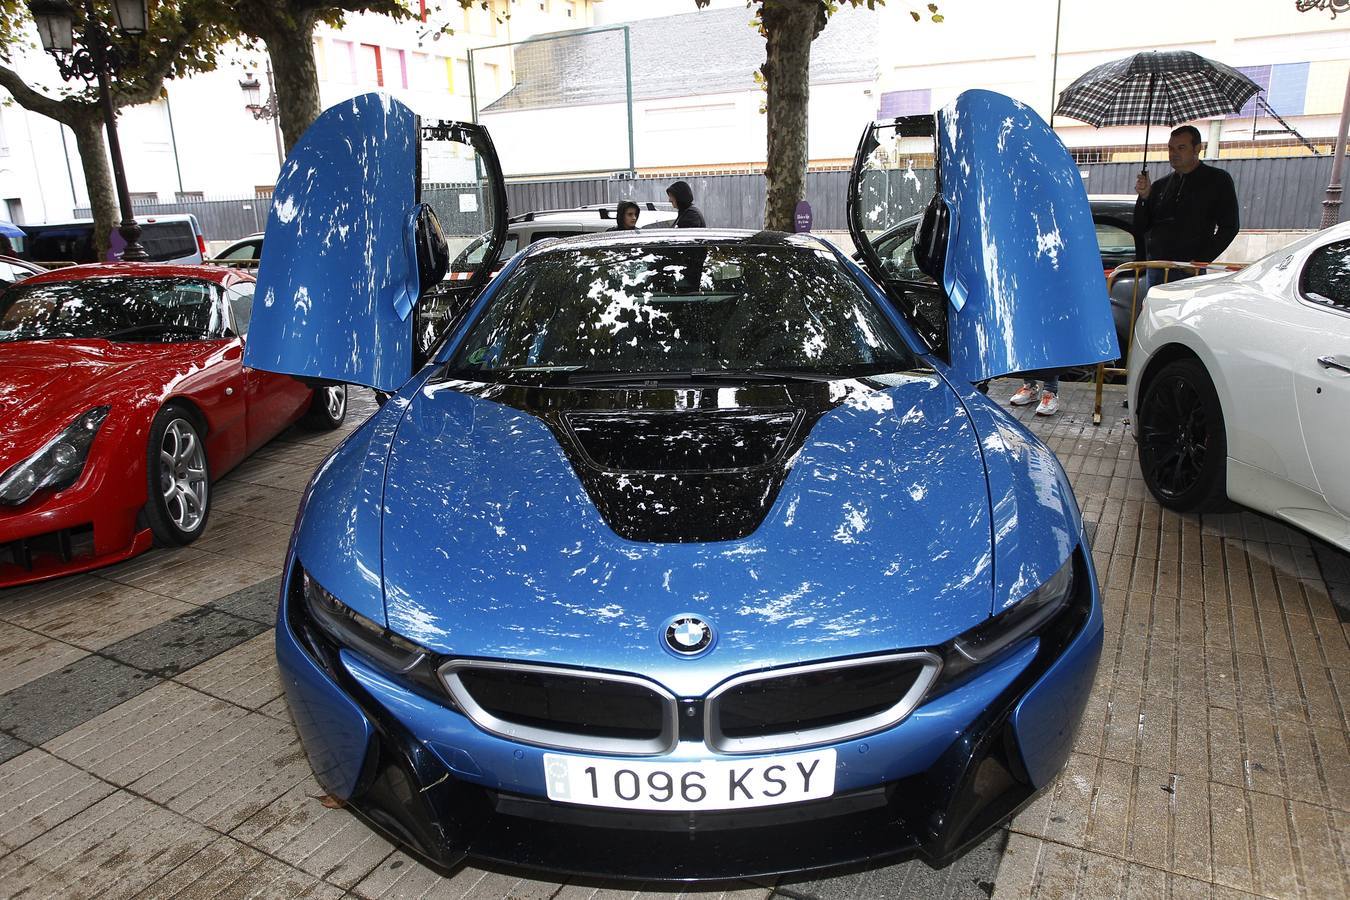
(706, 784)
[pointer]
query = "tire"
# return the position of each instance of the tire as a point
(179, 480)
(328, 408)
(1183, 447)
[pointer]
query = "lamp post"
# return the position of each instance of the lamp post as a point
(96, 60)
(266, 110)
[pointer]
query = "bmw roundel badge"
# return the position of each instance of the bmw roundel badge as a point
(688, 635)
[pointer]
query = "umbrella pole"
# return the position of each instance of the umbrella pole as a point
(1148, 121)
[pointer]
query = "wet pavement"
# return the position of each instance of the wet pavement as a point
(146, 750)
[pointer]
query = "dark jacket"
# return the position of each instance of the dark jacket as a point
(1189, 217)
(689, 215)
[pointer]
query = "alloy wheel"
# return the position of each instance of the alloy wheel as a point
(1175, 432)
(182, 475)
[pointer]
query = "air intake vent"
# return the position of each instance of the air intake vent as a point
(823, 702)
(555, 707)
(683, 441)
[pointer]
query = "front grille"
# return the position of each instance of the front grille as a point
(66, 545)
(795, 707)
(600, 712)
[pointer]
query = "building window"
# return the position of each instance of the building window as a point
(4, 140)
(399, 58)
(1283, 86)
(14, 210)
(370, 65)
(320, 61)
(344, 62)
(570, 9)
(906, 103)
(461, 74)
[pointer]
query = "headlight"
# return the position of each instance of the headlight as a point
(1019, 620)
(1023, 619)
(348, 628)
(57, 464)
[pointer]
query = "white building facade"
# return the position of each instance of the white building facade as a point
(200, 142)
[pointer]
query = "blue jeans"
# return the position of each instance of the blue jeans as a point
(1047, 378)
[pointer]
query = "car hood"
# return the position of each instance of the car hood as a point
(46, 384)
(571, 526)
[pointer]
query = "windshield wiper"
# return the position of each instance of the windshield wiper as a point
(703, 375)
(156, 328)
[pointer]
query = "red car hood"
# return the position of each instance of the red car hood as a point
(46, 384)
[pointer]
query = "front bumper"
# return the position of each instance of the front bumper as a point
(86, 526)
(938, 782)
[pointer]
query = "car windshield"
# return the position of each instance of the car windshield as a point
(704, 309)
(123, 309)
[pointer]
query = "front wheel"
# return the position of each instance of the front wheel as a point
(1183, 447)
(179, 481)
(328, 408)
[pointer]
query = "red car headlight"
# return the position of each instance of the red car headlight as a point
(57, 464)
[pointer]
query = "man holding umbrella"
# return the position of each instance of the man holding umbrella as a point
(1191, 214)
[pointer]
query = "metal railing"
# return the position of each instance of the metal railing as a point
(1140, 272)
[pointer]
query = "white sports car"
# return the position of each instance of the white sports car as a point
(1240, 387)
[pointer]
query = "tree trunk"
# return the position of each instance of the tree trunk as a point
(291, 47)
(789, 28)
(88, 128)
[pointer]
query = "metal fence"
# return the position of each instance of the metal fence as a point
(1273, 193)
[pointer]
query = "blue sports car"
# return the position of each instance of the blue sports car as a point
(684, 554)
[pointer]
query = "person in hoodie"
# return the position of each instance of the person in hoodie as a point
(682, 195)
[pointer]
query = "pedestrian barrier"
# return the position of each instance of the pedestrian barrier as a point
(1140, 272)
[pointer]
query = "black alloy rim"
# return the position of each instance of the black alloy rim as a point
(1175, 436)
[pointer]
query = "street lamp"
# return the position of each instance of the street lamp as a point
(266, 110)
(96, 60)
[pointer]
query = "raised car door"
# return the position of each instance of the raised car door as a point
(369, 208)
(1321, 365)
(1005, 232)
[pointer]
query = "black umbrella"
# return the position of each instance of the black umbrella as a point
(1163, 87)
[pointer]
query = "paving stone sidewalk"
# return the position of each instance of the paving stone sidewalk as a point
(146, 749)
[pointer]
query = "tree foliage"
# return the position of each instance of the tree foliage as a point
(789, 27)
(286, 29)
(182, 39)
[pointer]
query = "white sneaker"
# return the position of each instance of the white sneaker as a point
(1049, 405)
(1025, 396)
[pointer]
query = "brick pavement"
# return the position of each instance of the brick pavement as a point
(146, 750)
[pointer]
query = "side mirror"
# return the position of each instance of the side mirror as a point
(433, 251)
(930, 240)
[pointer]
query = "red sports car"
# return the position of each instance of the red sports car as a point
(122, 396)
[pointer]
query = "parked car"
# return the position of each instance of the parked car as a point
(683, 554)
(526, 229)
(243, 251)
(171, 238)
(1240, 386)
(124, 397)
(1113, 218)
(13, 269)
